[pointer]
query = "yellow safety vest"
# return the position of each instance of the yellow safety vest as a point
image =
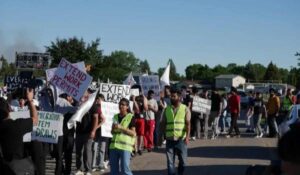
(120, 140)
(176, 122)
(286, 104)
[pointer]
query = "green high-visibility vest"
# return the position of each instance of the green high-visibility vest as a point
(286, 104)
(120, 140)
(176, 122)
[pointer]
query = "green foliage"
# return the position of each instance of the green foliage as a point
(144, 67)
(7, 68)
(272, 73)
(75, 50)
(117, 65)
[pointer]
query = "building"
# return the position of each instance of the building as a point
(228, 80)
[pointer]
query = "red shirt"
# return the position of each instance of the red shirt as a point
(234, 103)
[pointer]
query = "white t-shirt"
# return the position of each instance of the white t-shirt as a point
(150, 115)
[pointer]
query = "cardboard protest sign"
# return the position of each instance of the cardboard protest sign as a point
(201, 105)
(134, 92)
(22, 114)
(150, 82)
(108, 111)
(50, 72)
(71, 80)
(14, 82)
(114, 92)
(49, 127)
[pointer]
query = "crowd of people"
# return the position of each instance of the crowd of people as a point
(137, 130)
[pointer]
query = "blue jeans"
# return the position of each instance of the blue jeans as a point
(115, 156)
(174, 148)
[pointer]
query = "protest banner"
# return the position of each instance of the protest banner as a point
(108, 111)
(50, 72)
(49, 128)
(150, 82)
(71, 80)
(201, 105)
(13, 82)
(114, 92)
(22, 114)
(134, 92)
(82, 110)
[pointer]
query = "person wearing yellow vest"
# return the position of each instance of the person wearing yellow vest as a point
(287, 102)
(175, 125)
(122, 143)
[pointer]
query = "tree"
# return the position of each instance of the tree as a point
(259, 71)
(191, 71)
(272, 73)
(297, 54)
(7, 69)
(117, 65)
(75, 50)
(173, 73)
(249, 72)
(144, 67)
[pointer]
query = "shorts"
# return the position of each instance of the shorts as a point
(140, 126)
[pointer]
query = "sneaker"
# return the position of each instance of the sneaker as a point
(213, 138)
(102, 169)
(228, 136)
(88, 173)
(78, 172)
(261, 135)
(193, 138)
(140, 152)
(238, 136)
(164, 142)
(94, 169)
(106, 164)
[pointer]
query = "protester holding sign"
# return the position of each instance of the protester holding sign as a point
(85, 134)
(140, 105)
(123, 140)
(11, 137)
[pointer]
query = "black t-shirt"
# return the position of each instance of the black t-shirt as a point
(215, 102)
(258, 104)
(11, 137)
(86, 125)
(131, 124)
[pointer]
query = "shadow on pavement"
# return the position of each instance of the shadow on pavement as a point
(201, 170)
(237, 152)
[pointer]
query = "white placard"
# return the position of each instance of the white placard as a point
(201, 105)
(49, 127)
(71, 80)
(108, 111)
(114, 92)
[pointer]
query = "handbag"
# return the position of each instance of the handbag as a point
(21, 166)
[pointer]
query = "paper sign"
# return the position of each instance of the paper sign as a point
(150, 82)
(49, 127)
(71, 80)
(201, 105)
(134, 92)
(109, 110)
(114, 92)
(50, 72)
(22, 114)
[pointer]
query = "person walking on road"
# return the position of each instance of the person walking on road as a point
(273, 107)
(122, 143)
(235, 108)
(176, 126)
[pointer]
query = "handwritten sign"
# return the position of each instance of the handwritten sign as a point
(71, 80)
(150, 82)
(114, 92)
(49, 127)
(13, 82)
(50, 72)
(134, 92)
(201, 105)
(109, 110)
